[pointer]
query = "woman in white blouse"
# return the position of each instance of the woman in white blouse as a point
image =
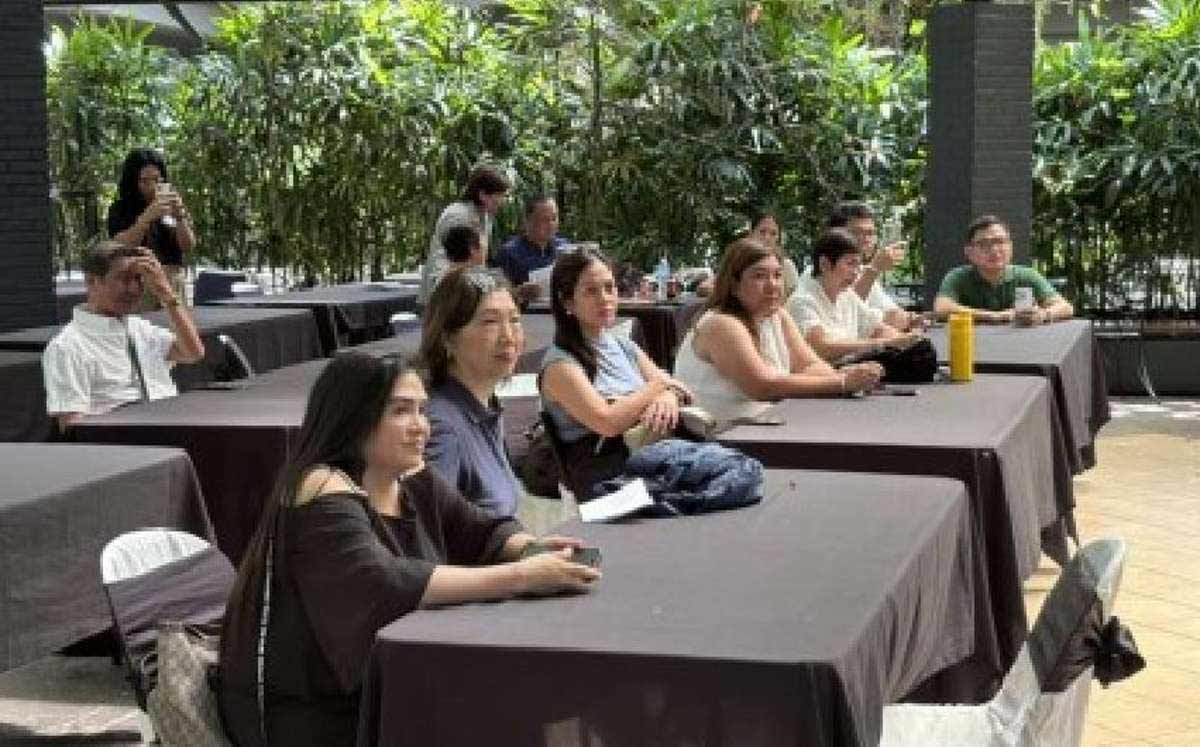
(746, 348)
(831, 316)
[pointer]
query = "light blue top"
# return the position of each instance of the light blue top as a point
(617, 374)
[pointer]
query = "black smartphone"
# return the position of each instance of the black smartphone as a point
(589, 556)
(900, 391)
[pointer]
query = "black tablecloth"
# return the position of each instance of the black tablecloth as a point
(996, 434)
(1067, 355)
(346, 314)
(59, 505)
(239, 439)
(23, 398)
(655, 330)
(270, 338)
(790, 622)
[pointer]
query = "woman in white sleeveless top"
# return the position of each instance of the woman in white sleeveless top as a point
(745, 348)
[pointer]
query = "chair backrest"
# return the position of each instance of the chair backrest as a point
(155, 575)
(1079, 604)
(143, 550)
(235, 359)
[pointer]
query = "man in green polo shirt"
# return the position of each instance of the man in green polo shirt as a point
(988, 287)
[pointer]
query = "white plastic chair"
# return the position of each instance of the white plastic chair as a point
(1022, 714)
(134, 554)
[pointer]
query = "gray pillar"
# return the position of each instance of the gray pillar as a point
(980, 128)
(26, 285)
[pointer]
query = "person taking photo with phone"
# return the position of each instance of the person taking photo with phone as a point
(149, 212)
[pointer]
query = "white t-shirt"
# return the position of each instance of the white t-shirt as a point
(879, 300)
(436, 262)
(87, 368)
(845, 318)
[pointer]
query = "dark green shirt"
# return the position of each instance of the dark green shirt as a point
(964, 285)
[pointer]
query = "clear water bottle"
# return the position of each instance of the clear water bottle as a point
(662, 276)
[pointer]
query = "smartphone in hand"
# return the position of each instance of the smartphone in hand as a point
(589, 556)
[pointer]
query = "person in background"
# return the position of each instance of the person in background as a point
(858, 219)
(471, 342)
(535, 248)
(746, 348)
(463, 248)
(106, 356)
(987, 287)
(828, 311)
(595, 386)
(143, 216)
(485, 193)
(358, 532)
(764, 226)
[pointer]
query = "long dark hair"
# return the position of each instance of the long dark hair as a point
(344, 406)
(739, 255)
(451, 307)
(568, 334)
(138, 159)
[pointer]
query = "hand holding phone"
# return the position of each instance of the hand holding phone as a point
(589, 556)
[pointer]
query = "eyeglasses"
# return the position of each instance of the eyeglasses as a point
(995, 242)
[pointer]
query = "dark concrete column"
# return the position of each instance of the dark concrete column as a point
(980, 128)
(26, 285)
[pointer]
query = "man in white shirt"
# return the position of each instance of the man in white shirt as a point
(831, 316)
(106, 356)
(857, 218)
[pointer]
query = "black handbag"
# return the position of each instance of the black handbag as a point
(915, 364)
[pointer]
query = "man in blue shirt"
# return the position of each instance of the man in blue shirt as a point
(534, 249)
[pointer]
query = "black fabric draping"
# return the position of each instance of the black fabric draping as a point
(59, 505)
(789, 622)
(239, 439)
(269, 338)
(996, 434)
(23, 398)
(348, 314)
(1066, 354)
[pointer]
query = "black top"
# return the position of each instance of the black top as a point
(160, 239)
(341, 573)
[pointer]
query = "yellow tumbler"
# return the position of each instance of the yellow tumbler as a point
(962, 346)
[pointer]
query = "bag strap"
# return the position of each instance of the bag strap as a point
(263, 619)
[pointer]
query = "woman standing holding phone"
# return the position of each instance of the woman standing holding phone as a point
(149, 213)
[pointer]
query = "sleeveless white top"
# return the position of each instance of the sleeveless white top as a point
(718, 395)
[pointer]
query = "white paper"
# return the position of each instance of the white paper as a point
(615, 505)
(541, 276)
(520, 385)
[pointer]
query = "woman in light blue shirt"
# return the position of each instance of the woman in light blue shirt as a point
(595, 385)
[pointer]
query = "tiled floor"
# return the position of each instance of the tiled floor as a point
(1146, 488)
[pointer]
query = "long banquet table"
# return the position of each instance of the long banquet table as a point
(239, 439)
(789, 622)
(270, 338)
(347, 314)
(1000, 435)
(59, 505)
(1066, 354)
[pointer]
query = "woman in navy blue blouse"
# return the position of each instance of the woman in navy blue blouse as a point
(471, 342)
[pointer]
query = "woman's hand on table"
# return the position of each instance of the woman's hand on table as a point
(553, 573)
